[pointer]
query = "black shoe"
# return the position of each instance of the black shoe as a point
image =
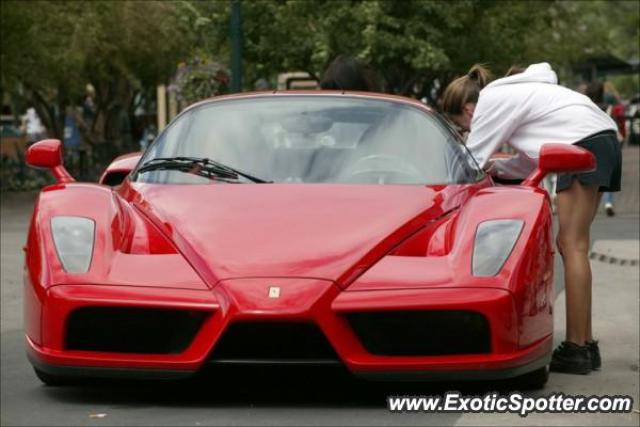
(594, 353)
(571, 358)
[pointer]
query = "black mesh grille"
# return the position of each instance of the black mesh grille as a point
(273, 341)
(132, 330)
(421, 333)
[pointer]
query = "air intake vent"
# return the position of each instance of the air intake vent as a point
(421, 333)
(132, 330)
(273, 342)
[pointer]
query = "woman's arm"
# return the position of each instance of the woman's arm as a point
(514, 167)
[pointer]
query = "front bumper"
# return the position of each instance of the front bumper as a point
(301, 300)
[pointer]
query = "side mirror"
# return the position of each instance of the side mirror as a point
(48, 154)
(557, 158)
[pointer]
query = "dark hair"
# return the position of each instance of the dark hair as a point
(515, 69)
(348, 73)
(465, 89)
(595, 91)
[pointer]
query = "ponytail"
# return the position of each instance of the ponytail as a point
(465, 89)
(479, 74)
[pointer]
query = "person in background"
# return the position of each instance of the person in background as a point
(615, 108)
(607, 102)
(32, 126)
(348, 73)
(515, 69)
(89, 104)
(261, 84)
(72, 139)
(527, 110)
(149, 133)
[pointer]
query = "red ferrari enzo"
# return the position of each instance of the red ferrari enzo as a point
(294, 227)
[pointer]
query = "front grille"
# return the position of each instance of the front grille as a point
(132, 330)
(422, 333)
(273, 341)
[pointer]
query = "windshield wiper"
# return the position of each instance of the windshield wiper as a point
(200, 166)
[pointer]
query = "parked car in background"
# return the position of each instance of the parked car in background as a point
(632, 115)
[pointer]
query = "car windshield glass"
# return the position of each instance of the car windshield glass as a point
(315, 139)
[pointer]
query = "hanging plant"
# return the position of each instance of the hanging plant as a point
(200, 79)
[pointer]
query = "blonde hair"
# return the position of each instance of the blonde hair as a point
(610, 89)
(514, 69)
(465, 89)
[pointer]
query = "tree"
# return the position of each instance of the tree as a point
(414, 42)
(54, 48)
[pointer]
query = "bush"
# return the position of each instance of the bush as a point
(17, 176)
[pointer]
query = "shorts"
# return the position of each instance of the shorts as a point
(608, 174)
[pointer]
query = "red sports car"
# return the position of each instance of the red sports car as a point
(294, 227)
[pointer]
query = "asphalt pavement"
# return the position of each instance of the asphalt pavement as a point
(315, 397)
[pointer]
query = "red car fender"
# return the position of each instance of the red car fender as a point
(528, 271)
(128, 250)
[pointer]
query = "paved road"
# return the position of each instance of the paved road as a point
(310, 397)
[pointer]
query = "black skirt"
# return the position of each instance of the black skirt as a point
(608, 174)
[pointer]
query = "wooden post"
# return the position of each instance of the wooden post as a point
(161, 92)
(173, 105)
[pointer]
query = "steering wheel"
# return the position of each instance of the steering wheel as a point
(383, 165)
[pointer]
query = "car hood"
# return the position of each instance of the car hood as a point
(332, 232)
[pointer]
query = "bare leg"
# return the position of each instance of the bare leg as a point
(589, 336)
(576, 207)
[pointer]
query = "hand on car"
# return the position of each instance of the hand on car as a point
(490, 167)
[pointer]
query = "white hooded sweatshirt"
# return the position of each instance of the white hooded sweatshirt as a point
(528, 110)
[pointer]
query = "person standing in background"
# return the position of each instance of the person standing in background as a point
(348, 73)
(72, 138)
(32, 126)
(88, 104)
(615, 108)
(608, 101)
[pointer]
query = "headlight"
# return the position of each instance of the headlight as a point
(494, 242)
(73, 238)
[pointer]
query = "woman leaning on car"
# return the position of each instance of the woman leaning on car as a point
(527, 110)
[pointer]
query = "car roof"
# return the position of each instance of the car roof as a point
(313, 93)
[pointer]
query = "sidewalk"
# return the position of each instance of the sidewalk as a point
(628, 200)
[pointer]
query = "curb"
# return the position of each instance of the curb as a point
(612, 259)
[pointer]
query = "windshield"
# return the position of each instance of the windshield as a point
(314, 139)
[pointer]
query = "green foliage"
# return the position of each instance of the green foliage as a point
(50, 50)
(199, 80)
(15, 175)
(627, 85)
(55, 47)
(55, 41)
(415, 41)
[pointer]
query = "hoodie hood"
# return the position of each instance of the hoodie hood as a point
(535, 73)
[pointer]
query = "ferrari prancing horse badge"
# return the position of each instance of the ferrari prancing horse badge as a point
(274, 292)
